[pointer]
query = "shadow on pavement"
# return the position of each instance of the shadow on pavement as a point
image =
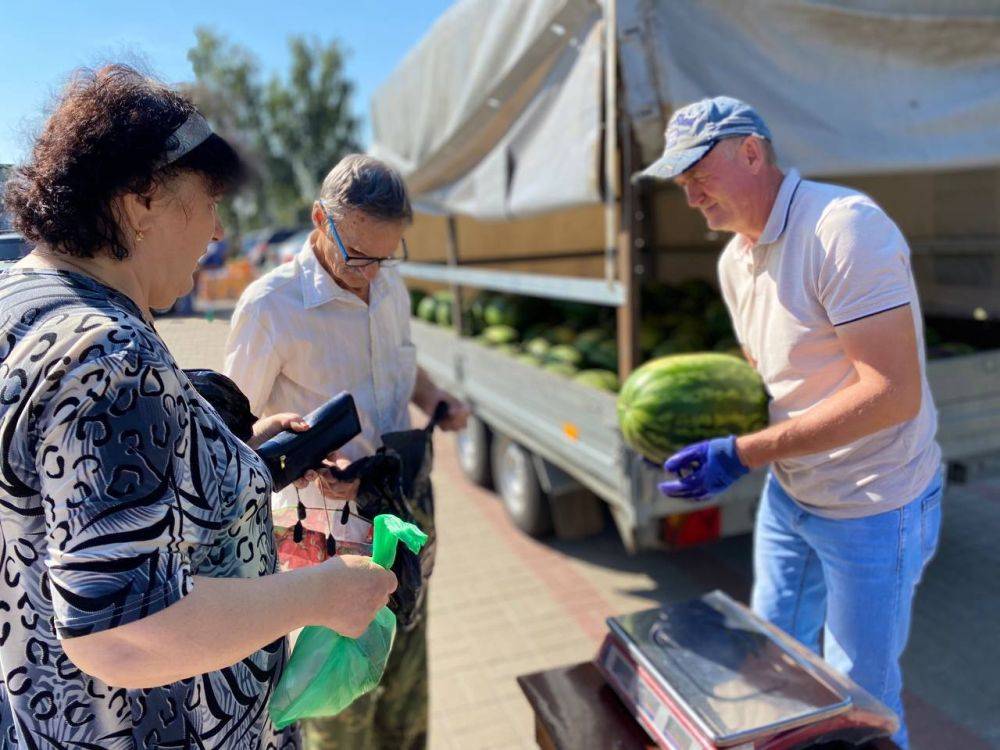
(953, 657)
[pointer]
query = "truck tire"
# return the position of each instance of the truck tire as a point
(473, 447)
(517, 484)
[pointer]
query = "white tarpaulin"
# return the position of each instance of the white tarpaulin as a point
(497, 112)
(845, 87)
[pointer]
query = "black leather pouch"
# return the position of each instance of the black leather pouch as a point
(291, 454)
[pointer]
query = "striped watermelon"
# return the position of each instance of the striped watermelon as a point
(673, 401)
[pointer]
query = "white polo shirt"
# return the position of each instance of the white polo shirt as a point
(828, 256)
(297, 338)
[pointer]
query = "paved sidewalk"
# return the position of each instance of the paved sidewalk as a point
(503, 604)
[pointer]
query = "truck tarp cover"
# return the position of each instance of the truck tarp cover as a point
(497, 113)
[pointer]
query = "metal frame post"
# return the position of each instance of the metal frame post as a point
(619, 200)
(630, 243)
(457, 318)
(612, 174)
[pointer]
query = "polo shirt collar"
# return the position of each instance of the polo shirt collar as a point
(778, 219)
(319, 288)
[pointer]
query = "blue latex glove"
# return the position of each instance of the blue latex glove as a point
(703, 469)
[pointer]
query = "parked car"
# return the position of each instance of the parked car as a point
(290, 247)
(215, 254)
(262, 254)
(13, 247)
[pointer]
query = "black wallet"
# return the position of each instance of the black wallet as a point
(291, 454)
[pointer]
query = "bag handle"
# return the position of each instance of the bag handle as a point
(440, 413)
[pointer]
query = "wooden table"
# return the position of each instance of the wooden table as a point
(575, 709)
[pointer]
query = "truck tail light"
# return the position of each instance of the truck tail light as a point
(690, 529)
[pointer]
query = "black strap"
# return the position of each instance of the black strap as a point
(440, 413)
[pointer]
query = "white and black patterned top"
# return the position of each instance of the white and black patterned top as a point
(118, 483)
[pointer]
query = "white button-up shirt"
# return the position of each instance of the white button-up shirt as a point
(297, 338)
(828, 256)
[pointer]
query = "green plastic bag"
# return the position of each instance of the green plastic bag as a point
(328, 671)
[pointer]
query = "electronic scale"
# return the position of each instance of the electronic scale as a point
(708, 673)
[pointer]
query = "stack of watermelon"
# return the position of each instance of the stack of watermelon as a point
(676, 400)
(578, 340)
(434, 308)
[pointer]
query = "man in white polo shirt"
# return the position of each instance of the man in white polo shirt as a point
(818, 283)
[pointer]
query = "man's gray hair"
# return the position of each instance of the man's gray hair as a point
(366, 184)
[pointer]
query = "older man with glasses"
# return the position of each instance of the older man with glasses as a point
(336, 318)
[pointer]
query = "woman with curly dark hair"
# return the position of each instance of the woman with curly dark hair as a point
(138, 605)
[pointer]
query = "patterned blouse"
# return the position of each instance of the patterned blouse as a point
(118, 484)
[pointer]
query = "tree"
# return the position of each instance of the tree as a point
(292, 131)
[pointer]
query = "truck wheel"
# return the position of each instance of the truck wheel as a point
(473, 446)
(517, 482)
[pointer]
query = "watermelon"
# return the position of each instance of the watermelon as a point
(673, 401)
(590, 338)
(511, 349)
(560, 368)
(528, 359)
(604, 356)
(442, 313)
(603, 380)
(567, 354)
(416, 297)
(532, 332)
(499, 335)
(649, 336)
(538, 347)
(477, 313)
(442, 308)
(561, 335)
(688, 335)
(427, 309)
(502, 311)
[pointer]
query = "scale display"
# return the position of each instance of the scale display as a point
(709, 664)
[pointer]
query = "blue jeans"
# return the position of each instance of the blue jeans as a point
(853, 580)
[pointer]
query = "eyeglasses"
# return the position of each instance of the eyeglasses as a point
(361, 261)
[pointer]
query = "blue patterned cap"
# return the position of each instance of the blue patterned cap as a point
(694, 129)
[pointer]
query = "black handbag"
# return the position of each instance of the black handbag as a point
(226, 398)
(397, 480)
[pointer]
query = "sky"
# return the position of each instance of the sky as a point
(42, 42)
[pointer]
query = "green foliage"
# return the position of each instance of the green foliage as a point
(291, 129)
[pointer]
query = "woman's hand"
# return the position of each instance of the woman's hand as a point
(350, 590)
(210, 626)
